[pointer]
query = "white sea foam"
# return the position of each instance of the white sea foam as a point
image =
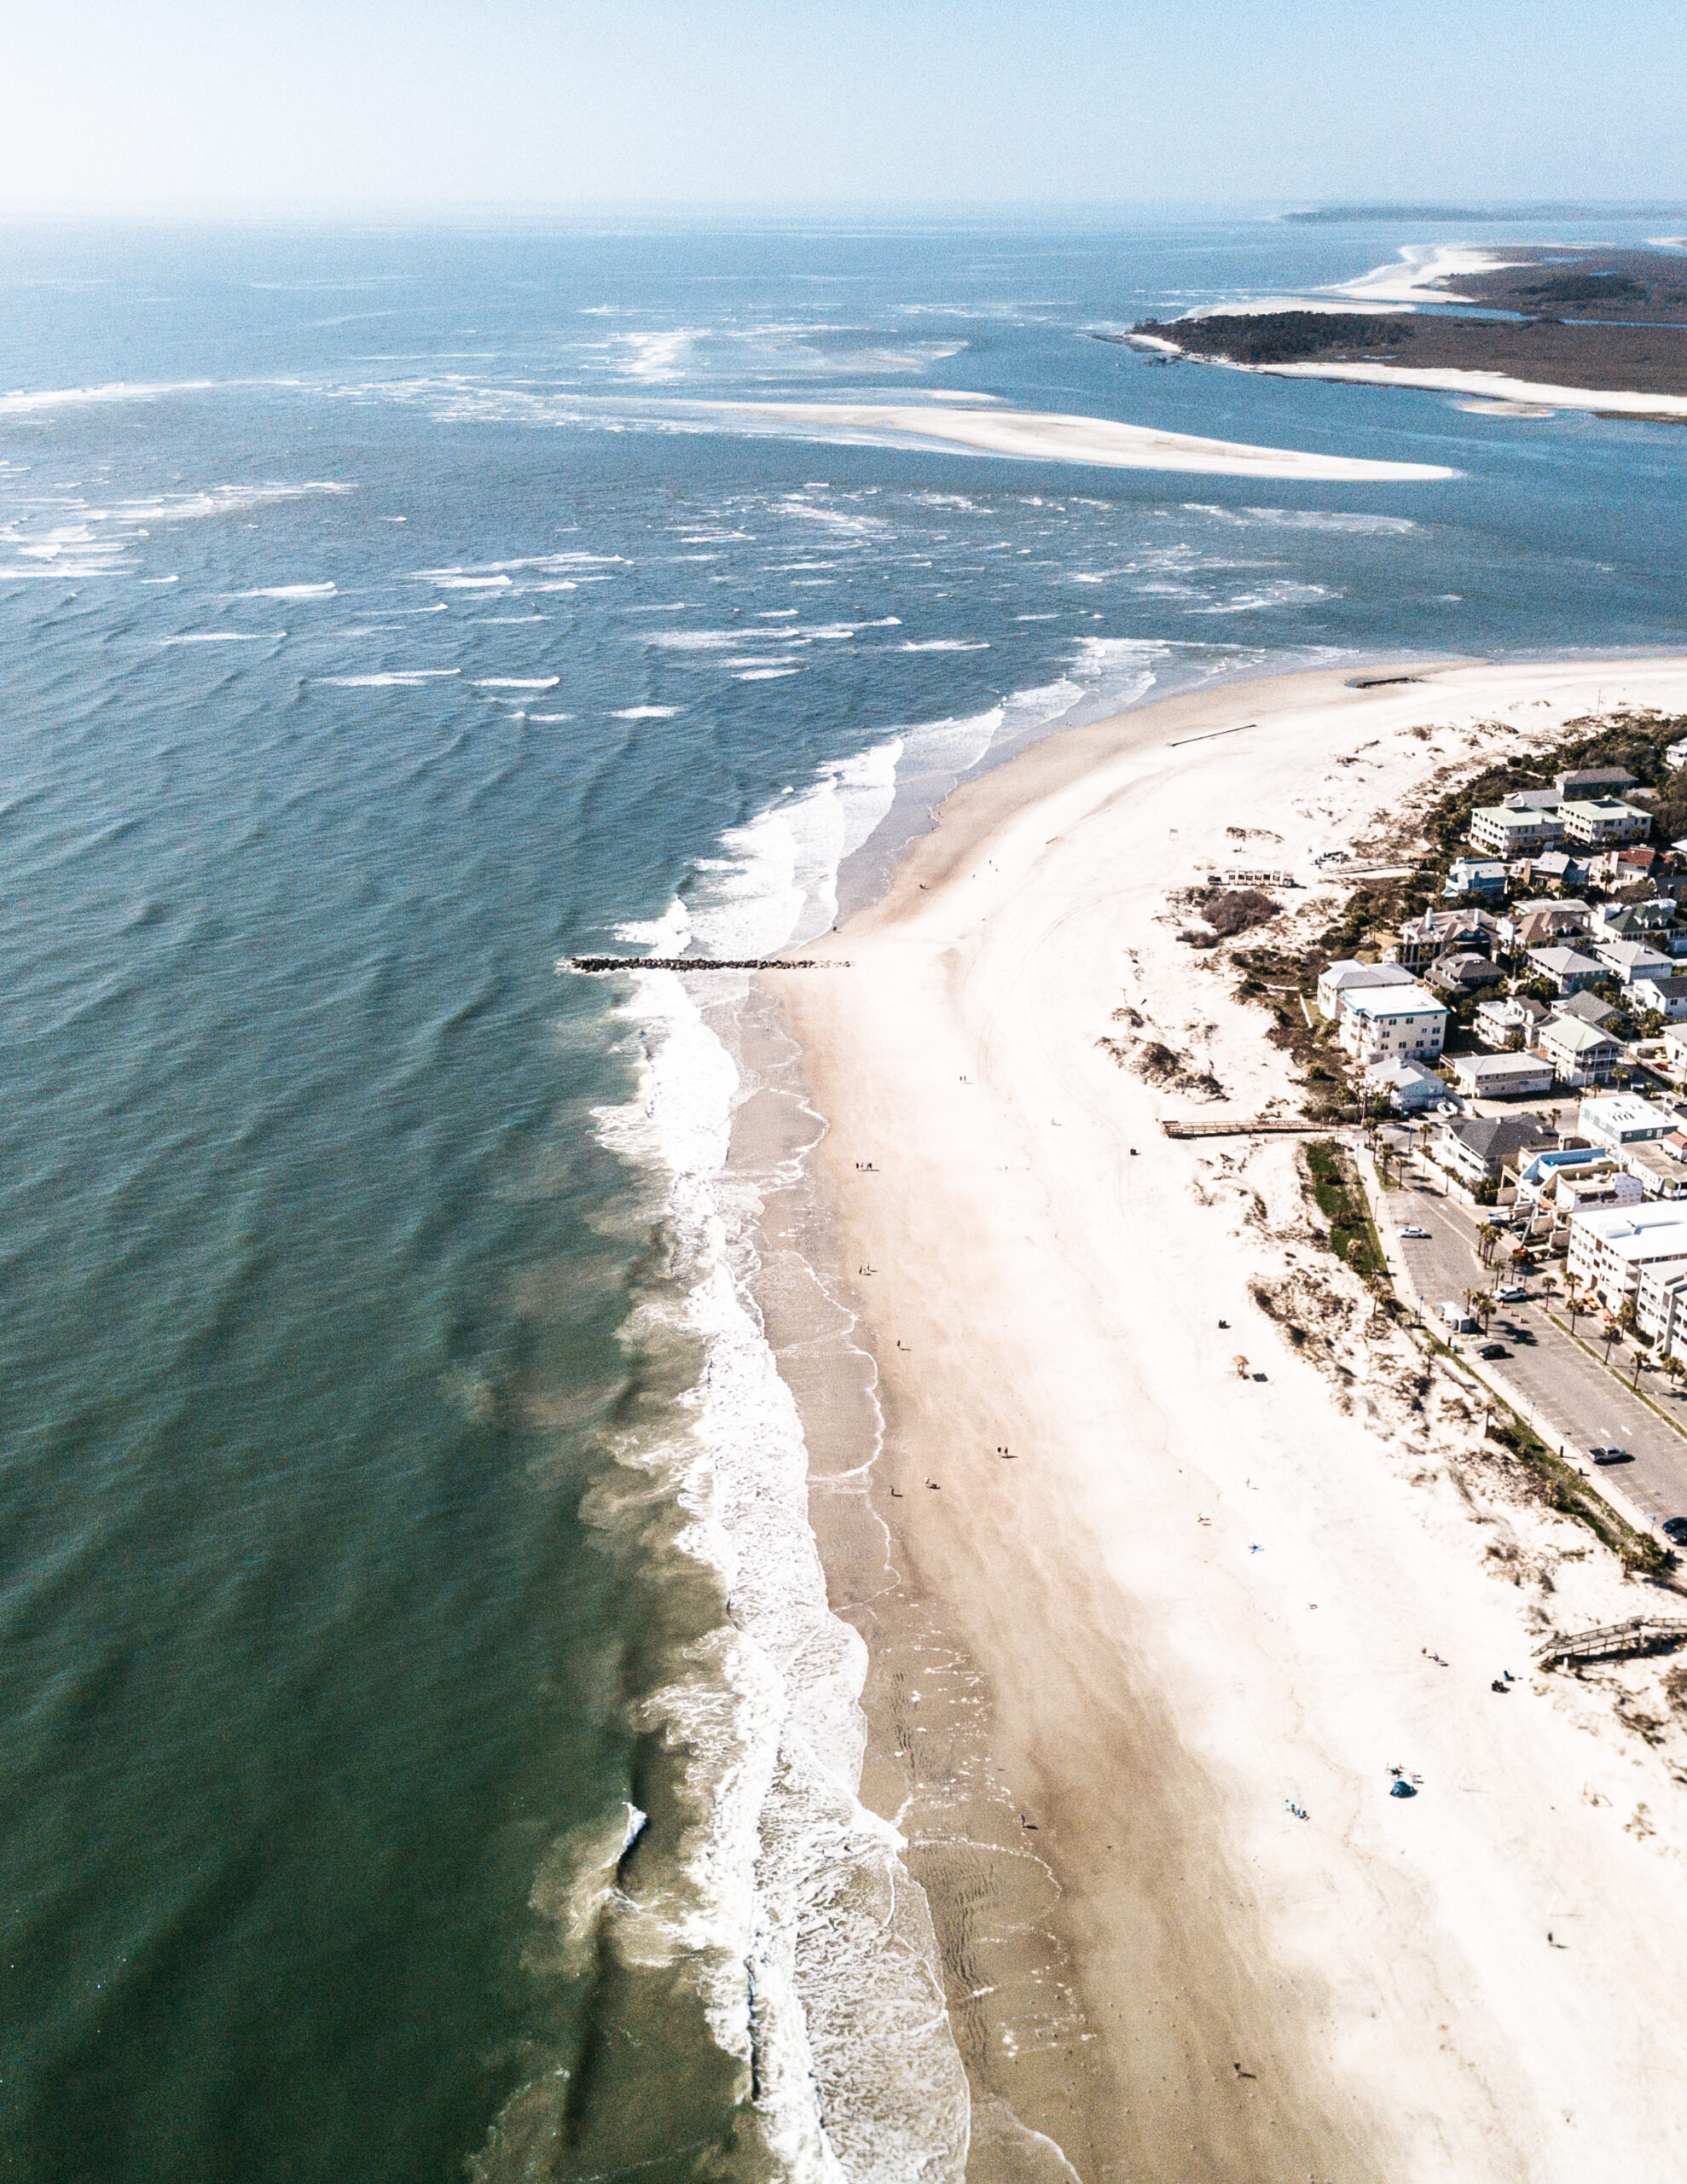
(225, 637)
(400, 679)
(648, 712)
(946, 644)
(798, 1897)
(764, 674)
(22, 401)
(1352, 519)
(516, 682)
(288, 591)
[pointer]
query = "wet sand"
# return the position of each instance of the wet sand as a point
(1103, 1662)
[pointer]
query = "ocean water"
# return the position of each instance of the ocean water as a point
(426, 1747)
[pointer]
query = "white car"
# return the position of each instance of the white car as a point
(1511, 1295)
(1412, 1230)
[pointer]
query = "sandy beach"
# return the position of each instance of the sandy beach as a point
(1050, 436)
(1126, 1607)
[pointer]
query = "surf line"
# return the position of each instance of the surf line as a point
(1208, 735)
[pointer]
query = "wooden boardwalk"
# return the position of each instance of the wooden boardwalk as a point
(1641, 1633)
(1254, 1126)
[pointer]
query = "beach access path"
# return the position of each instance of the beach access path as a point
(1205, 1613)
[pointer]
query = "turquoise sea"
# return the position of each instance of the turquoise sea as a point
(425, 1743)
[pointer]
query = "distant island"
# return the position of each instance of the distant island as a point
(1321, 215)
(1606, 321)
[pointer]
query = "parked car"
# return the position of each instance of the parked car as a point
(1413, 1230)
(1493, 1350)
(1508, 1293)
(1676, 1528)
(1612, 1455)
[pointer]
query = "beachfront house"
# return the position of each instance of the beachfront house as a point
(1510, 1019)
(1379, 1023)
(1521, 826)
(1580, 1054)
(1502, 1077)
(1441, 933)
(1661, 997)
(1675, 755)
(1597, 780)
(1607, 1250)
(1566, 970)
(1337, 978)
(1602, 822)
(1405, 1085)
(1473, 876)
(1631, 958)
(1477, 1150)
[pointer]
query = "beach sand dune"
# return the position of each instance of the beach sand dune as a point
(1133, 1607)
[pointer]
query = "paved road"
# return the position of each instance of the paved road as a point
(1582, 1401)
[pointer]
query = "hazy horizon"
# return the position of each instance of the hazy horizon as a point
(357, 110)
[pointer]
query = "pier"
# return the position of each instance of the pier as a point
(595, 965)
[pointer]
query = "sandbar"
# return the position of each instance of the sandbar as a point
(1051, 436)
(1133, 1606)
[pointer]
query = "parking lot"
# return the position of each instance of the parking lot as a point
(1579, 1402)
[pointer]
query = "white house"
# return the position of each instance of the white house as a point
(1632, 958)
(1518, 827)
(1502, 1077)
(1337, 978)
(1661, 1306)
(1378, 1023)
(1603, 822)
(1675, 754)
(1664, 996)
(1497, 1019)
(1609, 1248)
(1405, 1084)
(1580, 1054)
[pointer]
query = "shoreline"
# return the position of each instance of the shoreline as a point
(1495, 387)
(1079, 1648)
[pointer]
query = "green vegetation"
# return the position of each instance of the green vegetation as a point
(1282, 337)
(1636, 741)
(1568, 1492)
(1339, 1196)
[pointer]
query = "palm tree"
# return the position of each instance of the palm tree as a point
(1487, 1237)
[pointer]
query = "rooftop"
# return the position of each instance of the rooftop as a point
(1394, 1001)
(1573, 1037)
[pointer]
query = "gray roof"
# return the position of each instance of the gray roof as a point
(1589, 1009)
(1494, 1141)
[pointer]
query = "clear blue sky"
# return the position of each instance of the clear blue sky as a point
(249, 104)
